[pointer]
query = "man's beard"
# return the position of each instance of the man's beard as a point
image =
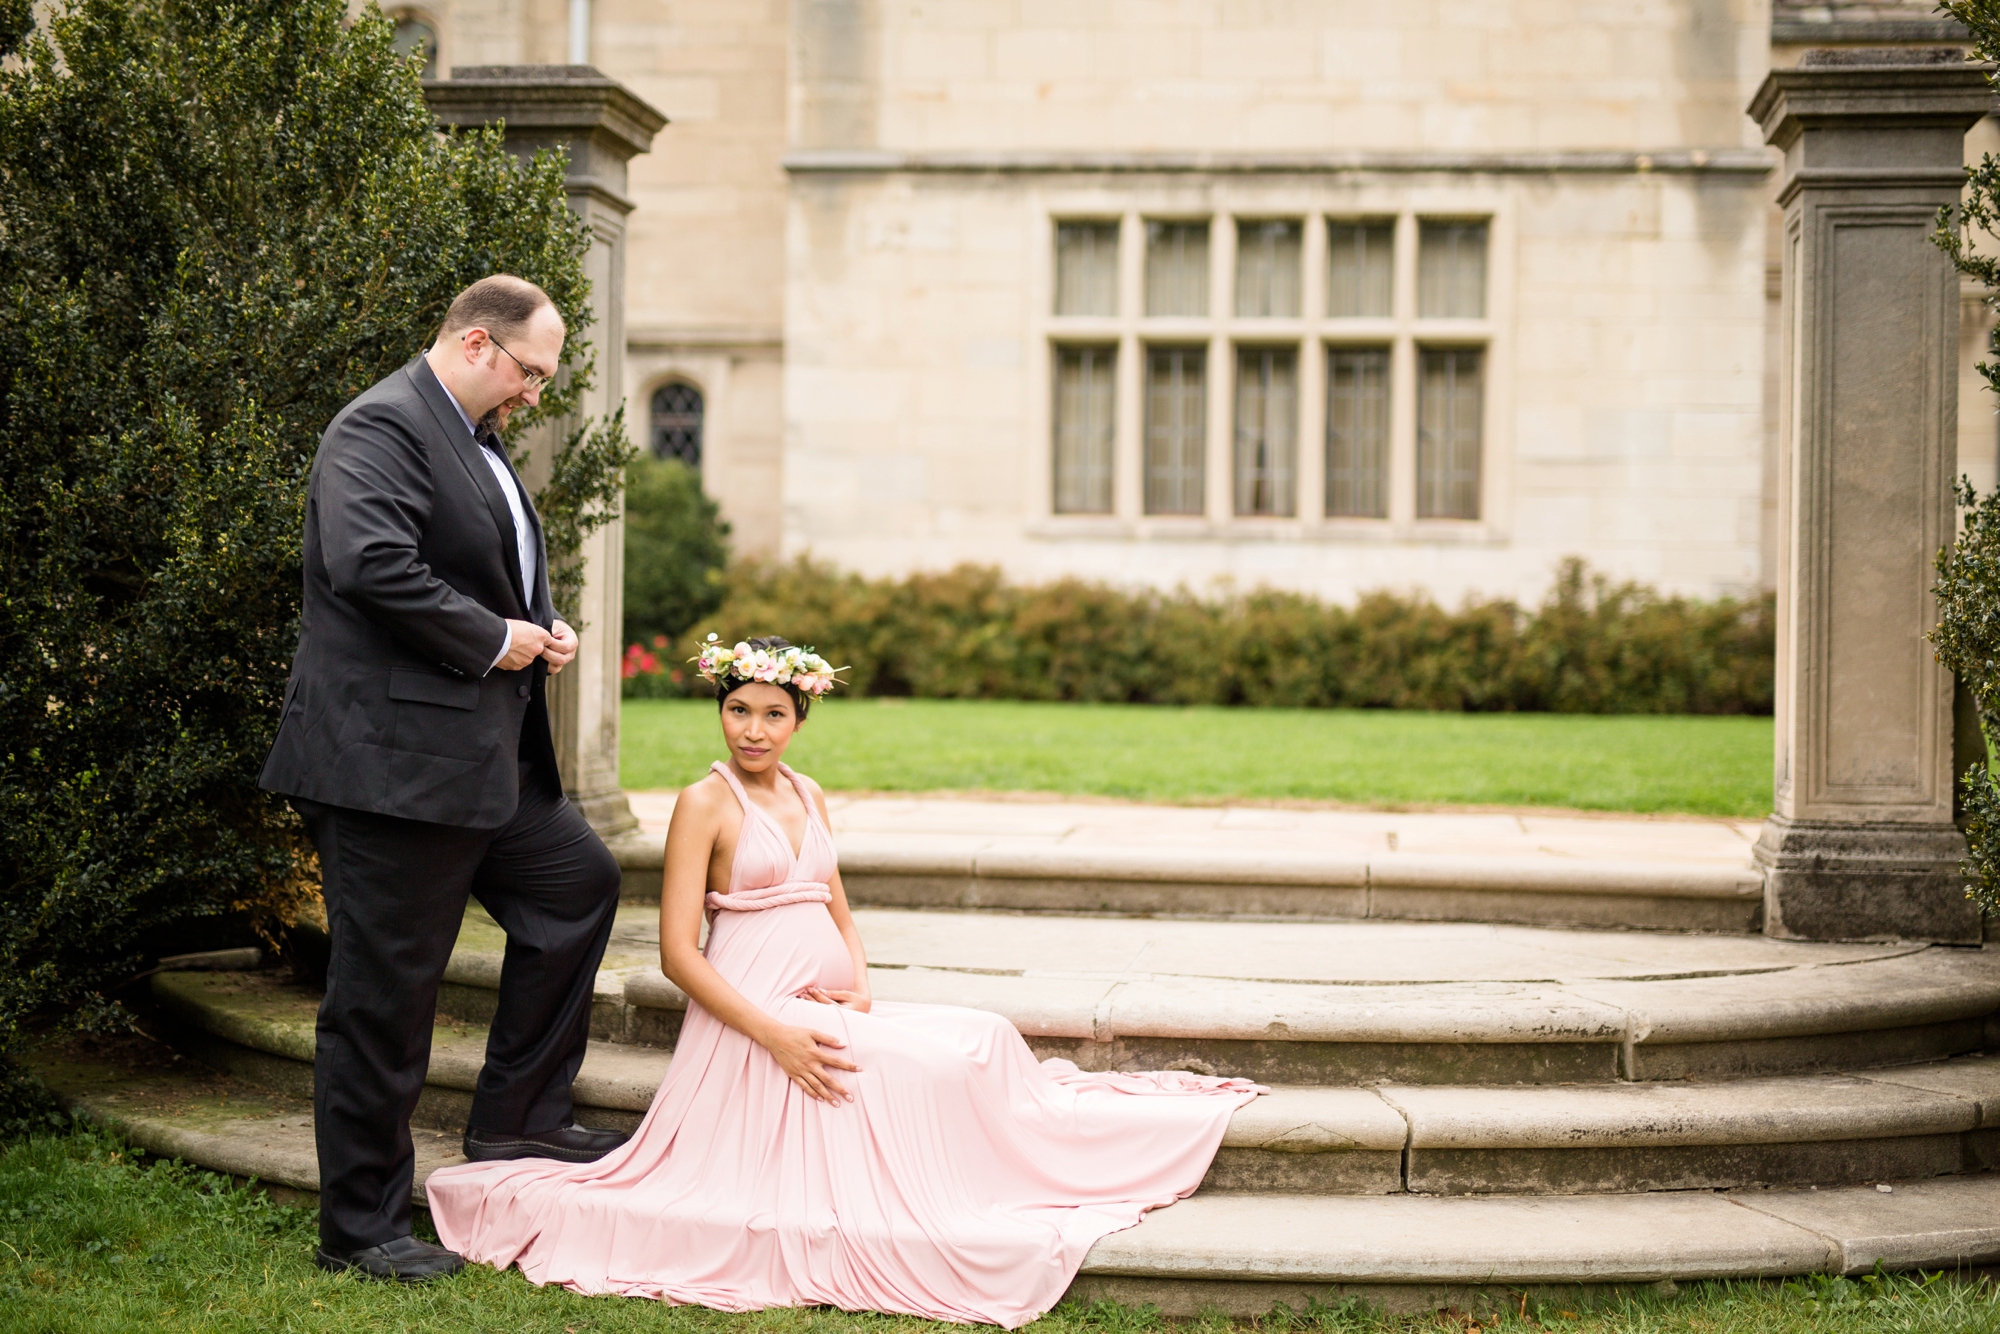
(491, 421)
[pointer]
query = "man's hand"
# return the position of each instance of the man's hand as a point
(561, 648)
(527, 641)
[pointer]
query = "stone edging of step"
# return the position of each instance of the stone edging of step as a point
(1561, 1239)
(883, 855)
(1246, 1244)
(1939, 1098)
(1924, 986)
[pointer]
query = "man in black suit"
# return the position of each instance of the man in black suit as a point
(415, 743)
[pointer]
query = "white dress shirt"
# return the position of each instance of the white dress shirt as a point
(524, 537)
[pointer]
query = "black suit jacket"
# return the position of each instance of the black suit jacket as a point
(411, 567)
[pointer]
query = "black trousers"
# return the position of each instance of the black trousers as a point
(395, 894)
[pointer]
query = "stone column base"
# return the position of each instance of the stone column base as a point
(609, 813)
(1826, 880)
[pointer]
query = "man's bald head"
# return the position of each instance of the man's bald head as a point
(499, 303)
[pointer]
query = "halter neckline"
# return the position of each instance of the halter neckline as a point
(743, 797)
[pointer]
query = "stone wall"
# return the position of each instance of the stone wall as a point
(1624, 340)
(844, 242)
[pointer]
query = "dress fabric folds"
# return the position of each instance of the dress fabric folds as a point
(964, 1182)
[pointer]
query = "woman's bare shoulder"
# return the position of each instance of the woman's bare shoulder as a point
(706, 797)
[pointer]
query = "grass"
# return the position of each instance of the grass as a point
(95, 1238)
(1698, 766)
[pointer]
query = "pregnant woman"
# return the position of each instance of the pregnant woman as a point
(810, 1145)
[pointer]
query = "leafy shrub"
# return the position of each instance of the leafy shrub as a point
(676, 545)
(1591, 647)
(1967, 637)
(218, 222)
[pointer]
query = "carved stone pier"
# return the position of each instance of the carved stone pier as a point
(602, 126)
(1861, 844)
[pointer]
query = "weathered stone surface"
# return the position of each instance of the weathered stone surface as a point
(1315, 1121)
(1932, 1224)
(1918, 987)
(1750, 1111)
(1975, 1078)
(1405, 1239)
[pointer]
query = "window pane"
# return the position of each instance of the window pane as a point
(1357, 432)
(1267, 269)
(676, 423)
(1448, 412)
(1267, 437)
(1360, 269)
(413, 36)
(1177, 268)
(1451, 270)
(1083, 428)
(1176, 428)
(1087, 268)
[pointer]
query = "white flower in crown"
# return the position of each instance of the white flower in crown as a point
(800, 667)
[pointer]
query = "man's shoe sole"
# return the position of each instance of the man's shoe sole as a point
(333, 1264)
(506, 1150)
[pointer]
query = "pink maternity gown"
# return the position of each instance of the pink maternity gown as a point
(964, 1182)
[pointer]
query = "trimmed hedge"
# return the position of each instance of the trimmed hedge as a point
(219, 220)
(1591, 647)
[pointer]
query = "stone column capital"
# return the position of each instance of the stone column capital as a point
(1873, 118)
(602, 123)
(1880, 85)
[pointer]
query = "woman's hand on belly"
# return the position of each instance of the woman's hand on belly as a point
(802, 1054)
(846, 1000)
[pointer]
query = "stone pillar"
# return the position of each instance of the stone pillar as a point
(602, 126)
(1861, 843)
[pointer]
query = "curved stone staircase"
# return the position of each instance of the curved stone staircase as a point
(1459, 1109)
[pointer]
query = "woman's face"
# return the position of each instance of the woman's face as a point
(758, 722)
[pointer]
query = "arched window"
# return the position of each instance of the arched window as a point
(414, 35)
(677, 423)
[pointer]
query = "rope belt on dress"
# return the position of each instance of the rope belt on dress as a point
(770, 896)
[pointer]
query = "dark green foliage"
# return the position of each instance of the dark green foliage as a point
(676, 545)
(1592, 647)
(1967, 636)
(1967, 640)
(218, 222)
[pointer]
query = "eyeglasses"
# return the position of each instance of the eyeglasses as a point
(533, 379)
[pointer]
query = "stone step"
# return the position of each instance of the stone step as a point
(902, 871)
(1362, 1002)
(1906, 1121)
(1240, 1254)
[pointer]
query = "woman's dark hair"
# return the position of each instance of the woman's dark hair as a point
(801, 701)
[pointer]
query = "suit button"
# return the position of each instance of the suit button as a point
(521, 690)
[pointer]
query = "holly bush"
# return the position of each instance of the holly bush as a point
(1967, 637)
(218, 223)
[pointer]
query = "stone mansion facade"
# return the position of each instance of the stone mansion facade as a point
(1324, 294)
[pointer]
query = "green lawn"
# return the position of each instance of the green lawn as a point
(1705, 766)
(95, 1241)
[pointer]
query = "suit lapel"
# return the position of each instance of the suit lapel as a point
(471, 455)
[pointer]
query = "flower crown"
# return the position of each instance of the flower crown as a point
(793, 666)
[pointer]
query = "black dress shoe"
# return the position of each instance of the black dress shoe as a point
(404, 1260)
(570, 1144)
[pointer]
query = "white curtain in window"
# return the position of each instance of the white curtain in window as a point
(1084, 399)
(1176, 428)
(1357, 432)
(1267, 437)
